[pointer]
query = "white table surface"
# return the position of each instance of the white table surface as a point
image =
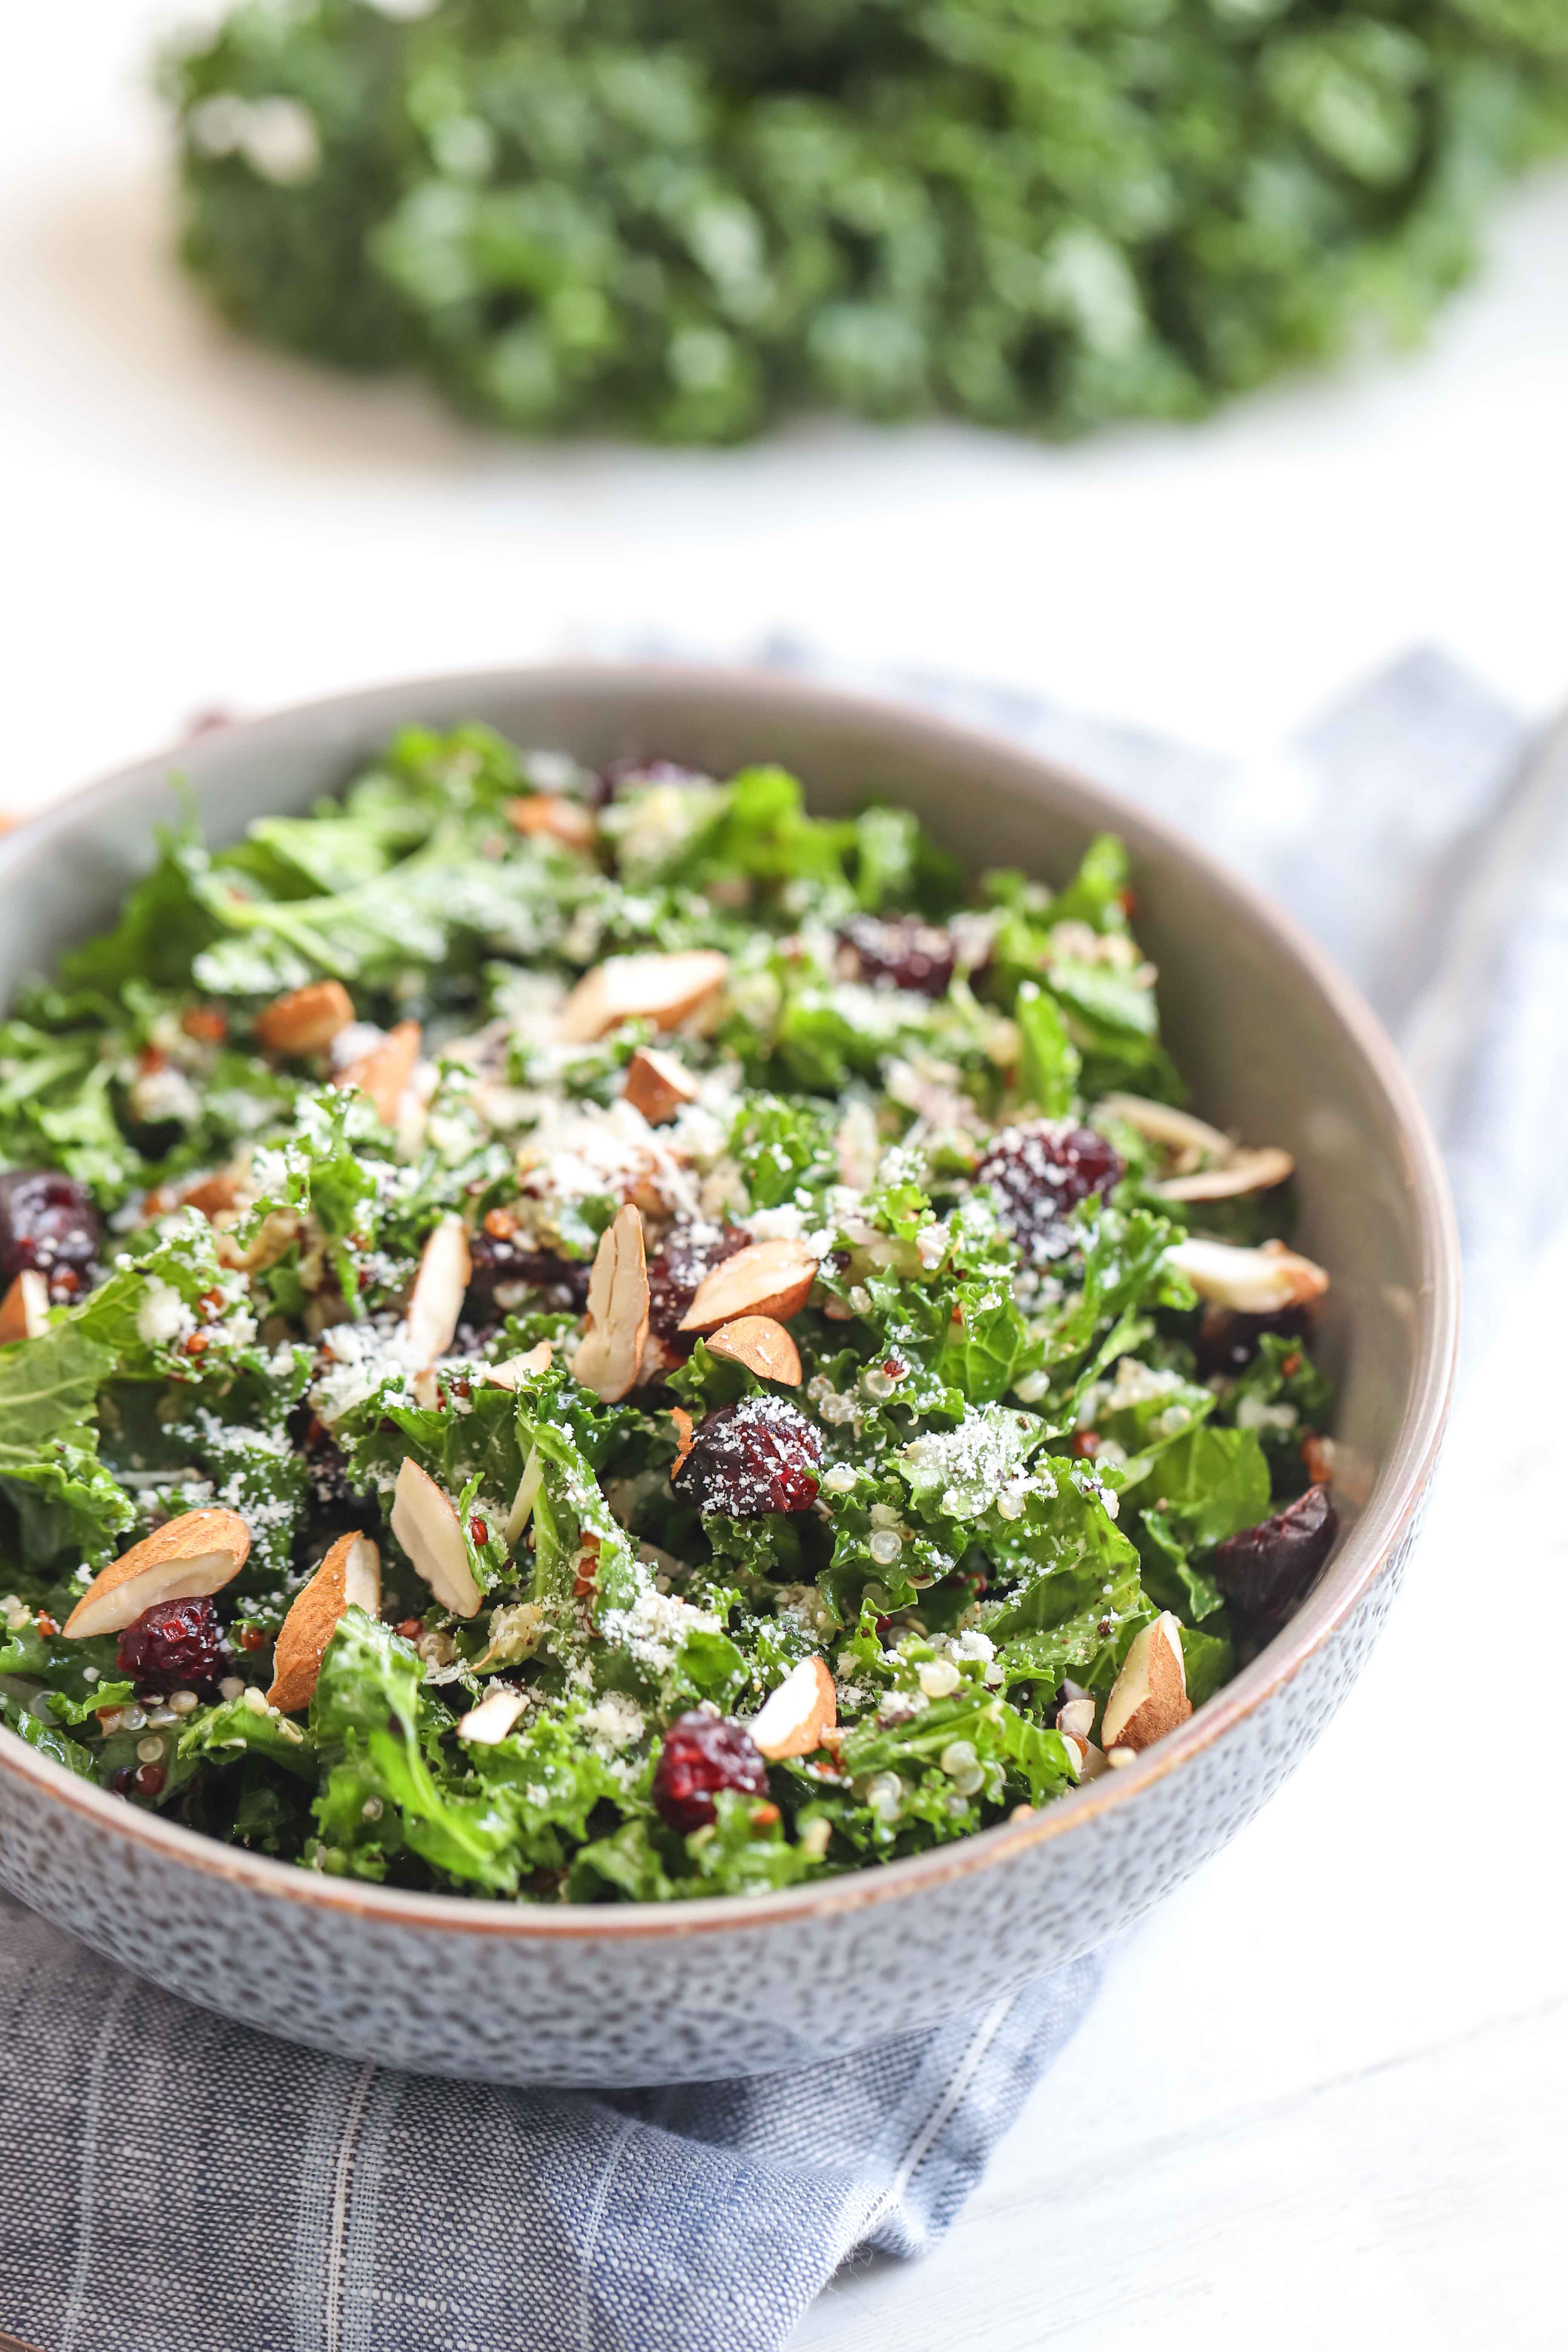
(1322, 2098)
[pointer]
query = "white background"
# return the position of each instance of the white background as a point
(1324, 2097)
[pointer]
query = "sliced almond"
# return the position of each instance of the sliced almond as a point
(663, 989)
(523, 1501)
(385, 1072)
(1149, 1697)
(771, 1278)
(513, 1369)
(658, 1084)
(1076, 1719)
(764, 1347)
(436, 1300)
(349, 1578)
(1244, 1172)
(492, 1718)
(565, 821)
(24, 1309)
(306, 1019)
(609, 1354)
(1248, 1281)
(793, 1718)
(197, 1553)
(425, 1521)
(217, 1195)
(1193, 1140)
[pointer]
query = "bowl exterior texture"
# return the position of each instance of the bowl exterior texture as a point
(1274, 1043)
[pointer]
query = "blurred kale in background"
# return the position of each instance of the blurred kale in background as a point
(686, 217)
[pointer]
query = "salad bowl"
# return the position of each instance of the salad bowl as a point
(1275, 1044)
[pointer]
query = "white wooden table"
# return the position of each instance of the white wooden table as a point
(1322, 2098)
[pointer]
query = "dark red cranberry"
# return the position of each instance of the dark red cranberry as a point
(905, 952)
(47, 1226)
(175, 1646)
(750, 1458)
(499, 1259)
(1226, 1343)
(1264, 1570)
(701, 1755)
(688, 1253)
(1041, 1172)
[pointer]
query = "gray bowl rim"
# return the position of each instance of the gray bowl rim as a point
(1362, 1558)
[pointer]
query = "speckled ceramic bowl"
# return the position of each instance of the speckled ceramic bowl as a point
(1275, 1043)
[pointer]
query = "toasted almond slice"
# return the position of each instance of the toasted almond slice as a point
(1149, 1697)
(425, 1521)
(216, 1195)
(384, 1073)
(349, 1578)
(565, 821)
(1191, 1139)
(436, 1300)
(492, 1718)
(512, 1369)
(1249, 1281)
(1244, 1172)
(764, 1347)
(306, 1019)
(609, 1354)
(1076, 1719)
(764, 1278)
(523, 1502)
(24, 1309)
(793, 1718)
(663, 989)
(658, 1084)
(197, 1553)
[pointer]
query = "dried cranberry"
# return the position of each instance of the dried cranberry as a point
(47, 1226)
(701, 1755)
(1264, 1570)
(175, 1644)
(497, 1260)
(905, 952)
(1040, 1172)
(750, 1458)
(690, 1252)
(1226, 1343)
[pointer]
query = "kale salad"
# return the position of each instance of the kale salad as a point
(592, 1337)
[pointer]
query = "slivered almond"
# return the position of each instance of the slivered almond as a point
(492, 1718)
(512, 1369)
(306, 1019)
(771, 1278)
(196, 1553)
(1149, 1697)
(658, 1084)
(793, 1718)
(1249, 1281)
(348, 1578)
(436, 1301)
(1245, 1172)
(425, 1521)
(24, 1309)
(565, 821)
(663, 989)
(609, 1354)
(764, 1347)
(384, 1073)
